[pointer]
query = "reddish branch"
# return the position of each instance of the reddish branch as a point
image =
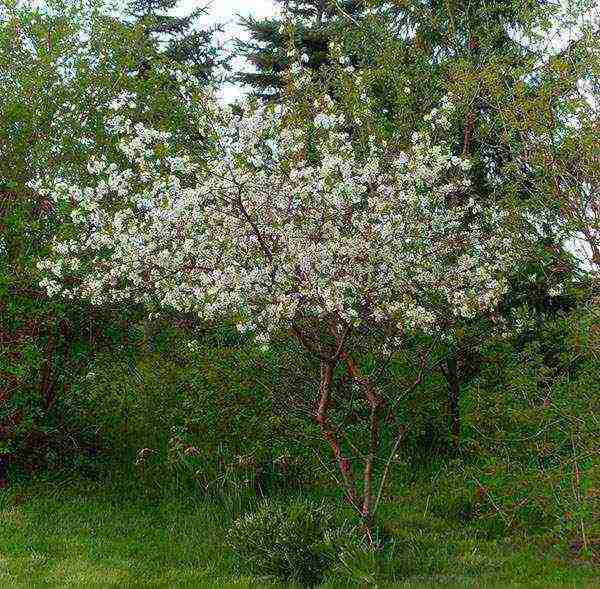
(469, 128)
(329, 433)
(376, 402)
(470, 118)
(473, 44)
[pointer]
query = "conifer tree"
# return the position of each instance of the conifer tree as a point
(316, 23)
(174, 37)
(481, 51)
(153, 42)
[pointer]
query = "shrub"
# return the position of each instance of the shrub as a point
(530, 437)
(203, 416)
(293, 542)
(45, 343)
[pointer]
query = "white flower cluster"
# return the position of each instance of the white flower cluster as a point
(125, 98)
(273, 235)
(326, 121)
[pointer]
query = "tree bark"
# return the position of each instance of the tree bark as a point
(376, 403)
(329, 434)
(450, 371)
(46, 381)
(363, 504)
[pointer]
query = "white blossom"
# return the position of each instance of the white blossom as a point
(274, 235)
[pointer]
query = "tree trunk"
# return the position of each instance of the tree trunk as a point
(376, 403)
(321, 417)
(364, 504)
(4, 458)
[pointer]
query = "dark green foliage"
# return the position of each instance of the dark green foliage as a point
(542, 461)
(204, 415)
(46, 344)
(150, 40)
(316, 20)
(528, 462)
(470, 49)
(183, 44)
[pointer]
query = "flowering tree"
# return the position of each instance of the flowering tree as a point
(61, 64)
(287, 223)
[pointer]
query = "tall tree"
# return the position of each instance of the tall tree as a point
(316, 22)
(481, 51)
(154, 49)
(175, 38)
(61, 65)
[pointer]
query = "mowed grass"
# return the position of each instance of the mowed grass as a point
(74, 532)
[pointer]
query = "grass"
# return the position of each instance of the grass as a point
(79, 532)
(74, 532)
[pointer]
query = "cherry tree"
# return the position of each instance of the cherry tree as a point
(289, 222)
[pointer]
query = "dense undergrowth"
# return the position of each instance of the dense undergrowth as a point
(176, 427)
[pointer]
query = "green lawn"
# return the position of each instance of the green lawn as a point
(85, 533)
(78, 533)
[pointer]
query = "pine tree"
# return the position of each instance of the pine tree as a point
(183, 44)
(160, 39)
(316, 23)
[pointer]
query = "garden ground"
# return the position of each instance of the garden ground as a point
(73, 532)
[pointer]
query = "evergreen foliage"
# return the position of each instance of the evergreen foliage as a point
(175, 38)
(316, 20)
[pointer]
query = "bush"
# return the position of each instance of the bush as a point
(293, 542)
(44, 342)
(48, 349)
(528, 464)
(221, 413)
(203, 416)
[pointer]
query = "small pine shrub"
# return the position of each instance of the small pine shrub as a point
(295, 542)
